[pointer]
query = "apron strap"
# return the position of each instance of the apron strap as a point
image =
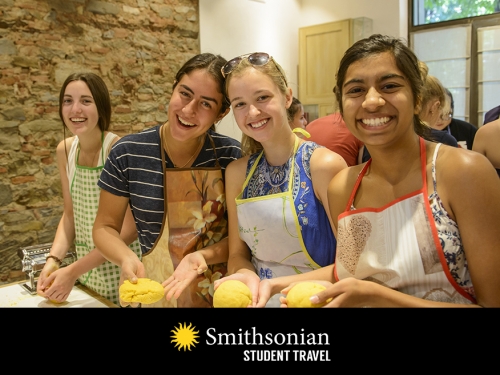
(163, 168)
(215, 150)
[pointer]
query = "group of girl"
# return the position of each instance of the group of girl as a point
(416, 225)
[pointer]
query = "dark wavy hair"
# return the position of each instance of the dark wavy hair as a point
(213, 65)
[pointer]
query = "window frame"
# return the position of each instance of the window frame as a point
(475, 23)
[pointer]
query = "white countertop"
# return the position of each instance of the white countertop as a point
(16, 296)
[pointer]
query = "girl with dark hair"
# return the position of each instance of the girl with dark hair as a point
(85, 110)
(416, 225)
(172, 177)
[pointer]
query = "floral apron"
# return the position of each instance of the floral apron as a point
(194, 218)
(270, 227)
(397, 245)
(85, 192)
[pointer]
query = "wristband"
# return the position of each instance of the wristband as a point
(58, 261)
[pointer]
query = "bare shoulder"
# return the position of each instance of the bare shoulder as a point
(64, 146)
(236, 170)
(489, 129)
(341, 185)
(339, 190)
(115, 139)
(461, 166)
(343, 181)
(324, 158)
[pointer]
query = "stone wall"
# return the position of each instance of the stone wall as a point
(135, 45)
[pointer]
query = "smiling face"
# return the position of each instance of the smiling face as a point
(79, 110)
(258, 105)
(195, 105)
(377, 100)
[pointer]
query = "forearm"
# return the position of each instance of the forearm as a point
(111, 245)
(323, 273)
(237, 263)
(83, 265)
(63, 240)
(216, 253)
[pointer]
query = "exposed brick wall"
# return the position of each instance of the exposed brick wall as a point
(135, 45)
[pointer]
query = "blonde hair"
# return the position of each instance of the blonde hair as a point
(432, 89)
(275, 72)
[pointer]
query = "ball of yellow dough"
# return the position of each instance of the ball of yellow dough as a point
(299, 294)
(232, 293)
(145, 291)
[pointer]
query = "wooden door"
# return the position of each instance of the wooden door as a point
(321, 48)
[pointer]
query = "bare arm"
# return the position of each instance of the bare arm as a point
(486, 142)
(325, 165)
(111, 216)
(474, 202)
(65, 233)
(239, 254)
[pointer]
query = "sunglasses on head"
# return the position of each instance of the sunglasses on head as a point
(256, 59)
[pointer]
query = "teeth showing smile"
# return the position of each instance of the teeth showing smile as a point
(183, 122)
(78, 119)
(256, 125)
(375, 121)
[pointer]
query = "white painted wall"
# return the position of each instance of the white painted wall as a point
(235, 27)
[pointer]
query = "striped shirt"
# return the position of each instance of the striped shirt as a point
(134, 170)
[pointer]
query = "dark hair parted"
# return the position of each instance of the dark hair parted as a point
(213, 65)
(406, 61)
(99, 92)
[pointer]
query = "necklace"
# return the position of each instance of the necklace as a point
(192, 156)
(277, 175)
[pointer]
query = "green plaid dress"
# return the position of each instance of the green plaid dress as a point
(105, 278)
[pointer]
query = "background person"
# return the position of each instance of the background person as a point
(276, 193)
(487, 141)
(492, 115)
(296, 115)
(330, 131)
(433, 101)
(172, 176)
(463, 131)
(85, 109)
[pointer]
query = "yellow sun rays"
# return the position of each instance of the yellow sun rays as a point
(184, 336)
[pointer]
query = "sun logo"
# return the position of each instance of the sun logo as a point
(184, 337)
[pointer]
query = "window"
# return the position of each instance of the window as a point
(462, 51)
(433, 11)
